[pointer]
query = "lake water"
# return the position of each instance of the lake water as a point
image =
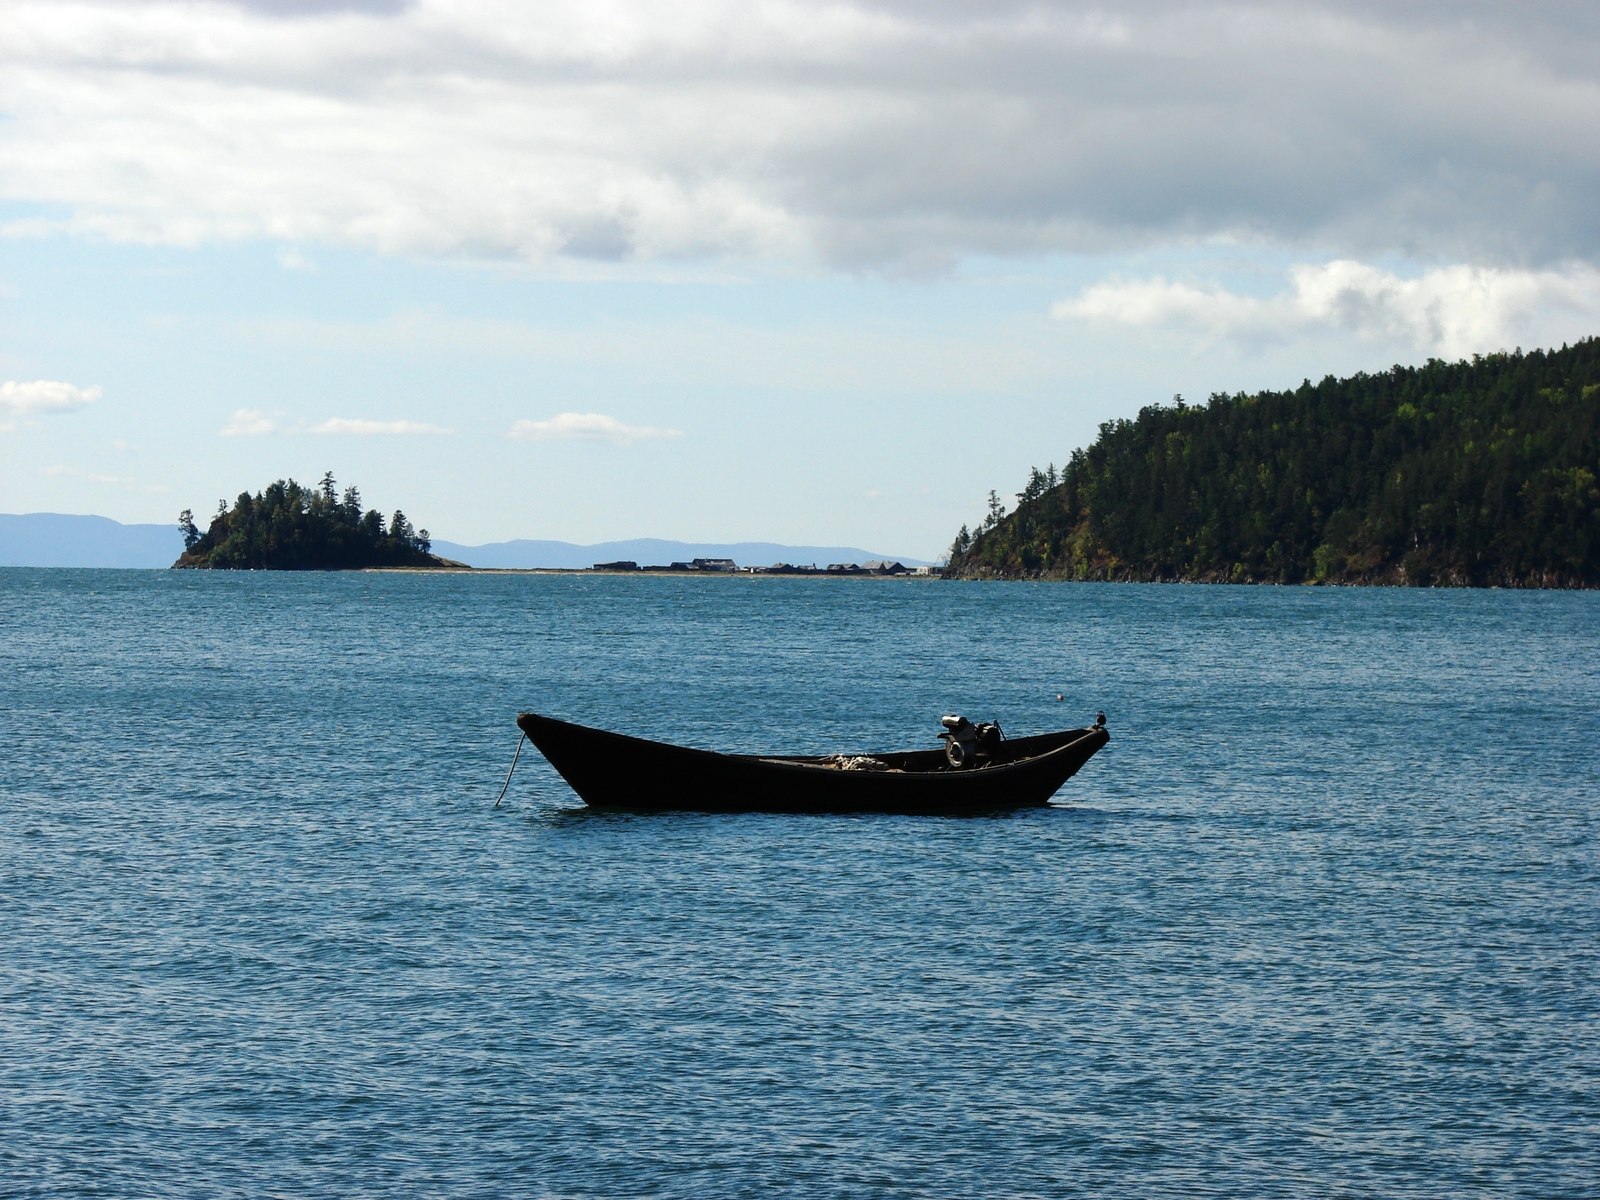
(1321, 920)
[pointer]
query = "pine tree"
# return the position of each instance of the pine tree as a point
(191, 532)
(288, 527)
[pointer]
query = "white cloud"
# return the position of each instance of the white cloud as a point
(363, 428)
(251, 422)
(588, 427)
(291, 259)
(44, 396)
(851, 132)
(57, 471)
(1453, 311)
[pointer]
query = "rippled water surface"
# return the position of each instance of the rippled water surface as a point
(1321, 920)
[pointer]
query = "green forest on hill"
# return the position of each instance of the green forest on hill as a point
(287, 527)
(1480, 473)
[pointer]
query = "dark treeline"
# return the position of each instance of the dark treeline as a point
(287, 527)
(1476, 473)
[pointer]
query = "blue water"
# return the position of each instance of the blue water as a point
(1321, 920)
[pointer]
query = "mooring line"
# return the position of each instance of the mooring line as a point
(511, 772)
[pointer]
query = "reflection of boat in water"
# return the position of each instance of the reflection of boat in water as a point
(979, 770)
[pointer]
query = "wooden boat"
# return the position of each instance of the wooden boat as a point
(613, 771)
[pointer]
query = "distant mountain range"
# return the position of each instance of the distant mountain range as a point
(63, 540)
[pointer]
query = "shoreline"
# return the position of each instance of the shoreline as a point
(665, 572)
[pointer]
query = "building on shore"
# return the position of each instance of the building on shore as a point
(727, 566)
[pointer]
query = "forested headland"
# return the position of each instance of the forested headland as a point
(1480, 473)
(287, 527)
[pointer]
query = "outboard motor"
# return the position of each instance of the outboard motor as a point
(966, 744)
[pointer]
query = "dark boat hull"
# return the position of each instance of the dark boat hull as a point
(612, 770)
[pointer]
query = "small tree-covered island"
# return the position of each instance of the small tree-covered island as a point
(286, 527)
(1474, 474)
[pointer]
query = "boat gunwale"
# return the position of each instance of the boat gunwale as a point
(809, 764)
(827, 762)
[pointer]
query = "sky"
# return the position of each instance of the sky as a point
(804, 272)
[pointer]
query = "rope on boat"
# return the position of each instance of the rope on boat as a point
(511, 772)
